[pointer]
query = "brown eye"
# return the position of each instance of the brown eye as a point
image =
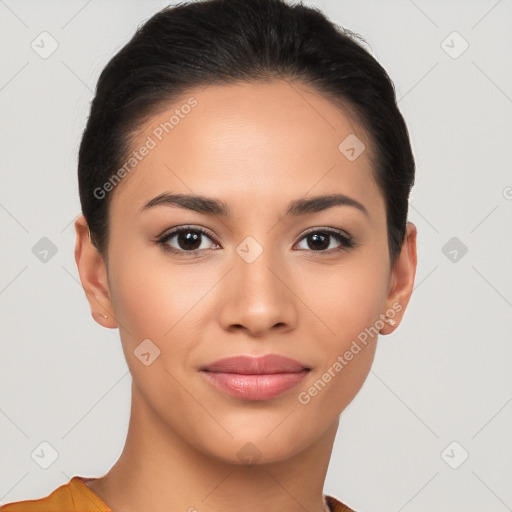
(185, 240)
(320, 240)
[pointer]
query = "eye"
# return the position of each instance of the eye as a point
(188, 240)
(319, 240)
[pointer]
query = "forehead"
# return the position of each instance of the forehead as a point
(264, 143)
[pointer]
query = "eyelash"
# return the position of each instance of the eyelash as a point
(347, 242)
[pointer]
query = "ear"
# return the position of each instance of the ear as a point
(402, 280)
(93, 275)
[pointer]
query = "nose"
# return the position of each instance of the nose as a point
(258, 297)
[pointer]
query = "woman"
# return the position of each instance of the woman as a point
(244, 179)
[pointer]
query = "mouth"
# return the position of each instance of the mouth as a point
(260, 378)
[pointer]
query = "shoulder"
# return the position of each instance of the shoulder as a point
(335, 505)
(73, 496)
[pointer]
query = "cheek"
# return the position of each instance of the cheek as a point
(166, 303)
(347, 298)
(156, 300)
(153, 297)
(347, 349)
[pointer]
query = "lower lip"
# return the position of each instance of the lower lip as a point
(255, 387)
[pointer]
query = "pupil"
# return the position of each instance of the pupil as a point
(190, 238)
(323, 237)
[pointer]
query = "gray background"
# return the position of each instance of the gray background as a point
(443, 377)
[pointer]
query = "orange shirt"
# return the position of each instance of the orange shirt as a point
(75, 496)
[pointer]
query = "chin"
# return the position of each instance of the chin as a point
(258, 448)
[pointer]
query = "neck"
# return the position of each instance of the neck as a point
(159, 471)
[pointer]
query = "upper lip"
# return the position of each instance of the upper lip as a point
(249, 365)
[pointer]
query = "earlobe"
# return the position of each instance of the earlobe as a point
(93, 275)
(402, 280)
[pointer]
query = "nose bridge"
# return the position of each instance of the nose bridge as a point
(258, 298)
(256, 265)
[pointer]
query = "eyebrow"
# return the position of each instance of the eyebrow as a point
(206, 205)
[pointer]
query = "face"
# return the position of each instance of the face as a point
(257, 269)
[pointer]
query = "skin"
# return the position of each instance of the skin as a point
(256, 147)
